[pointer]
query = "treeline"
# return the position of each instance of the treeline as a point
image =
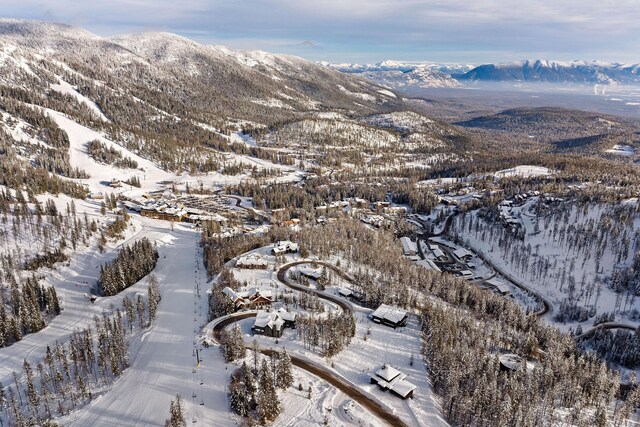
(18, 174)
(330, 334)
(466, 329)
(252, 392)
(69, 374)
(109, 155)
(619, 347)
(25, 309)
(131, 264)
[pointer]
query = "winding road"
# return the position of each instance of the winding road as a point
(340, 383)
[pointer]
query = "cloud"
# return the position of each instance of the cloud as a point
(373, 29)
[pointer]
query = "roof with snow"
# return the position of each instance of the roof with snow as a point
(389, 313)
(265, 319)
(392, 379)
(462, 253)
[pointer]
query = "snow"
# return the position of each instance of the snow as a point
(523, 170)
(387, 93)
(65, 88)
(622, 150)
(78, 156)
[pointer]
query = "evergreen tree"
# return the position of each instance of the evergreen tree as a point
(176, 414)
(268, 404)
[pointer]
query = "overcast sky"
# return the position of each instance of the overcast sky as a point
(462, 31)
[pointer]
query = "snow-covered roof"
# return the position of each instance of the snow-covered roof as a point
(345, 292)
(286, 315)
(499, 285)
(387, 373)
(408, 245)
(390, 378)
(390, 313)
(272, 320)
(252, 259)
(461, 253)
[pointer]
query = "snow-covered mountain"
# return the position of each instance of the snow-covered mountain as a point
(176, 75)
(405, 76)
(545, 71)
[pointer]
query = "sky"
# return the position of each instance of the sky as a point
(455, 31)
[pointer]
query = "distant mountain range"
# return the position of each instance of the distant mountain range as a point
(405, 76)
(408, 76)
(545, 71)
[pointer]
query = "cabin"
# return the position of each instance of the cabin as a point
(272, 324)
(238, 302)
(437, 252)
(310, 273)
(252, 298)
(389, 378)
(252, 262)
(115, 183)
(498, 286)
(284, 247)
(409, 247)
(463, 255)
(390, 316)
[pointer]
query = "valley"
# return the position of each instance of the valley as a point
(203, 236)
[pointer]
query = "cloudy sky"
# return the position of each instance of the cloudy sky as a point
(463, 31)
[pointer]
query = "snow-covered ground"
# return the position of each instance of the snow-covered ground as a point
(372, 346)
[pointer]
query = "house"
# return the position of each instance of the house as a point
(96, 196)
(310, 273)
(409, 247)
(285, 247)
(438, 253)
(390, 316)
(251, 298)
(345, 293)
(257, 298)
(271, 324)
(511, 362)
(462, 254)
(252, 261)
(389, 378)
(237, 300)
(115, 183)
(498, 286)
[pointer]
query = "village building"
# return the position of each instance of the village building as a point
(284, 247)
(253, 298)
(272, 323)
(310, 273)
(390, 316)
(463, 255)
(409, 247)
(438, 253)
(389, 378)
(252, 261)
(498, 286)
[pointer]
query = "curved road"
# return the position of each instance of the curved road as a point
(347, 388)
(605, 326)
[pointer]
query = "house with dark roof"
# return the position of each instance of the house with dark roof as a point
(389, 378)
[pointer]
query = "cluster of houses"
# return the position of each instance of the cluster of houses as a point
(252, 298)
(378, 214)
(169, 209)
